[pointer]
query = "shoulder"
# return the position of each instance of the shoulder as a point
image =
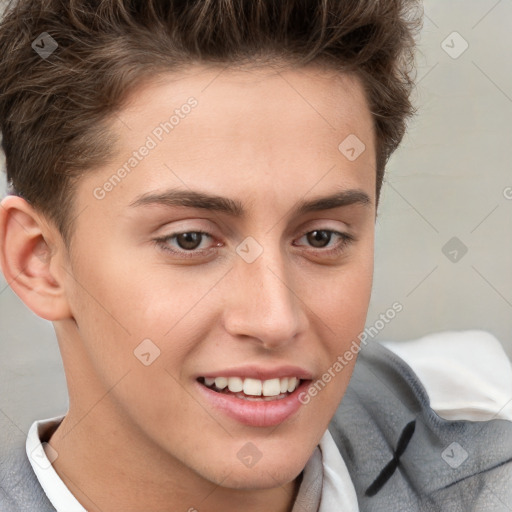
(404, 456)
(20, 490)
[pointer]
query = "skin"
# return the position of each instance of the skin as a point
(140, 437)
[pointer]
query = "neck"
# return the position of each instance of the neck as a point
(106, 470)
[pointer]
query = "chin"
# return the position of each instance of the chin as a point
(262, 475)
(263, 479)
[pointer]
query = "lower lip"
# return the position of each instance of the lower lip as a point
(255, 413)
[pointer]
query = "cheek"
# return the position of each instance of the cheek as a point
(343, 307)
(106, 304)
(343, 299)
(125, 308)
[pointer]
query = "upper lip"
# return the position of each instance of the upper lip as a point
(261, 373)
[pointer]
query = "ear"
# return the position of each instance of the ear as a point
(29, 248)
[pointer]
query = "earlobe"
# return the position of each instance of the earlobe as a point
(25, 258)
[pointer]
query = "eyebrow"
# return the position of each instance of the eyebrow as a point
(235, 208)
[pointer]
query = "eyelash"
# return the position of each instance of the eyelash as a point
(162, 242)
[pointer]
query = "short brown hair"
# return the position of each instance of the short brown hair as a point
(54, 111)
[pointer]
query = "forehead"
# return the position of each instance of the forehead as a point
(261, 129)
(239, 102)
(315, 87)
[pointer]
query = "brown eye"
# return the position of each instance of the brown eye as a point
(185, 244)
(319, 238)
(189, 241)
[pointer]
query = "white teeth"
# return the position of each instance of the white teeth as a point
(221, 382)
(292, 384)
(254, 387)
(235, 384)
(271, 387)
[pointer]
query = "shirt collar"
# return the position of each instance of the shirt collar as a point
(40, 454)
(326, 484)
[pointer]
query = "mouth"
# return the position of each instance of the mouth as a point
(250, 389)
(250, 401)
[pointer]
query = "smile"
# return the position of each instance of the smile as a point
(256, 409)
(252, 389)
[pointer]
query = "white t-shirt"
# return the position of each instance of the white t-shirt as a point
(467, 375)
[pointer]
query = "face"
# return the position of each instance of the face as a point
(205, 269)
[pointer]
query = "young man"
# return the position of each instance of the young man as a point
(194, 188)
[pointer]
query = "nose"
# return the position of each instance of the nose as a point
(262, 303)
